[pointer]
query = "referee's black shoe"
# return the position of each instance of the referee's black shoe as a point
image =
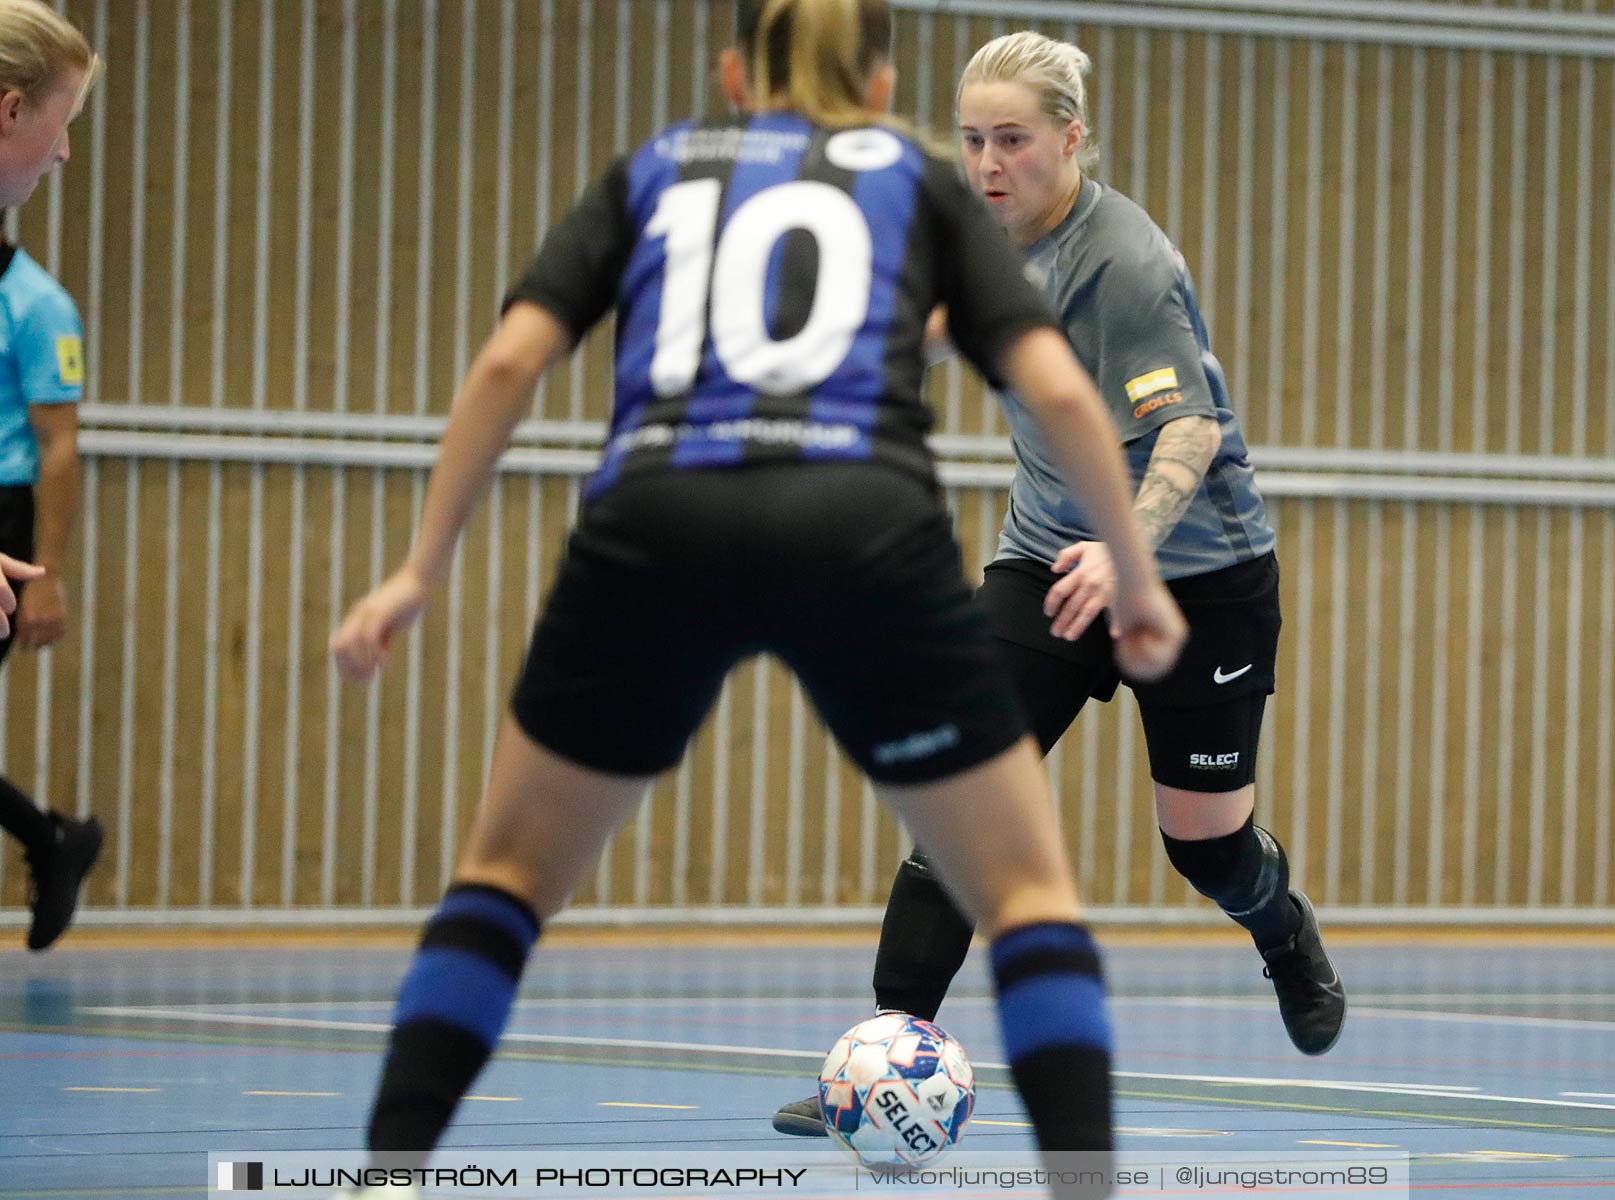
(58, 869)
(801, 1118)
(1311, 998)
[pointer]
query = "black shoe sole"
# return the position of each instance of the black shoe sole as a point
(796, 1126)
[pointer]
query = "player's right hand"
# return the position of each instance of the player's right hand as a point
(360, 644)
(1149, 631)
(1087, 583)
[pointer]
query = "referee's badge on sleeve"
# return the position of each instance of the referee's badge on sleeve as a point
(70, 358)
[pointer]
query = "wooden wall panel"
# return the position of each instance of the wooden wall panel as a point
(1396, 248)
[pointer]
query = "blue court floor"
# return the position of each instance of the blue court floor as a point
(1491, 1062)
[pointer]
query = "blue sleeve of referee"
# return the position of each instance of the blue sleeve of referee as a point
(47, 347)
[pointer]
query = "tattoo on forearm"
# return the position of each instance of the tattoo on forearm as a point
(1185, 445)
(1195, 466)
(1160, 505)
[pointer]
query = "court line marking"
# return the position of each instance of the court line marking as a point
(496, 1099)
(1454, 1090)
(118, 1193)
(209, 1013)
(1169, 1000)
(1171, 1133)
(1513, 1186)
(170, 1014)
(1590, 1095)
(1449, 1091)
(1363, 1008)
(1293, 1106)
(1452, 1018)
(1395, 1089)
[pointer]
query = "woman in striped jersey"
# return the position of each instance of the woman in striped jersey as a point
(766, 487)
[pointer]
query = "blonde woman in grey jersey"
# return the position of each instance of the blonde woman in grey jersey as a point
(1126, 300)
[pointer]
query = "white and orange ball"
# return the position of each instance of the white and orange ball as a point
(896, 1091)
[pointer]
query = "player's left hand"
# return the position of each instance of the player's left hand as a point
(1085, 589)
(41, 613)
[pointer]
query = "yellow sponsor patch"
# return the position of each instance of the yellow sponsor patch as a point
(70, 358)
(1164, 380)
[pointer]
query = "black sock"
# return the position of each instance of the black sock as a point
(923, 942)
(23, 819)
(452, 1007)
(1248, 876)
(1051, 1009)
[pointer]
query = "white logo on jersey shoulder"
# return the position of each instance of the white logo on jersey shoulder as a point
(1035, 275)
(1218, 677)
(864, 149)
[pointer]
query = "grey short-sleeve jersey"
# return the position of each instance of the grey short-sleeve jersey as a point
(1127, 304)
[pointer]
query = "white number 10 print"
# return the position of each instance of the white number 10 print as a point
(738, 269)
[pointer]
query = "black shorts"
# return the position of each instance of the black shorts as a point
(16, 534)
(847, 572)
(1203, 721)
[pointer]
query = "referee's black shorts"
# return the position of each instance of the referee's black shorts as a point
(16, 535)
(849, 573)
(1203, 721)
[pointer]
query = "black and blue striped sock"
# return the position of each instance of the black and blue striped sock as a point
(1051, 1010)
(452, 1007)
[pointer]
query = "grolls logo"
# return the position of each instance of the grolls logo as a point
(241, 1177)
(1159, 402)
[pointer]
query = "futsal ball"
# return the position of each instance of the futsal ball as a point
(896, 1091)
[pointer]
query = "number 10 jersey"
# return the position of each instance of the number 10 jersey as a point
(772, 280)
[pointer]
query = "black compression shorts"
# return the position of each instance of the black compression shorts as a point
(1202, 722)
(16, 537)
(849, 573)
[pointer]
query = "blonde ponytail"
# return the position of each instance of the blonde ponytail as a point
(817, 54)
